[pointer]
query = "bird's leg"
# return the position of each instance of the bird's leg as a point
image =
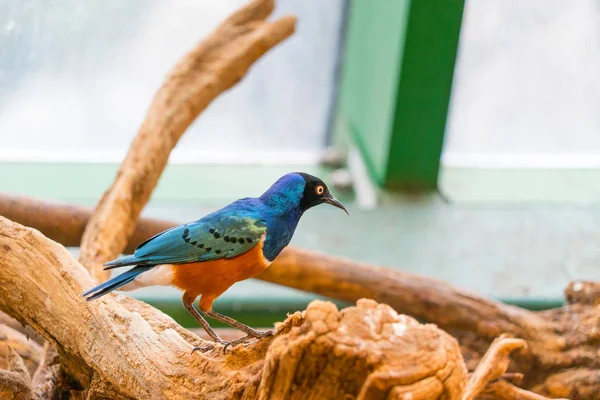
(189, 306)
(250, 332)
(205, 306)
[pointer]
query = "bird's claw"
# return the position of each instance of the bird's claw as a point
(209, 346)
(248, 337)
(233, 343)
(203, 349)
(260, 335)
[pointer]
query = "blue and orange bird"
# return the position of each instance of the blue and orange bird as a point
(205, 257)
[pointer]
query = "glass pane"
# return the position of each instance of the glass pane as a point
(527, 84)
(76, 78)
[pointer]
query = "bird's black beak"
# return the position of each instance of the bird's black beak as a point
(336, 203)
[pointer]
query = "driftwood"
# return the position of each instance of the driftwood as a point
(34, 369)
(561, 357)
(364, 352)
(367, 351)
(29, 351)
(15, 381)
(26, 331)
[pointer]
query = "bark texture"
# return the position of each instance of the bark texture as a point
(29, 351)
(15, 382)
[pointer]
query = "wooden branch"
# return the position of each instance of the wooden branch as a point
(15, 382)
(490, 380)
(574, 384)
(335, 277)
(27, 332)
(40, 363)
(492, 366)
(583, 292)
(213, 66)
(64, 223)
(29, 351)
(365, 351)
(427, 298)
(46, 379)
(503, 390)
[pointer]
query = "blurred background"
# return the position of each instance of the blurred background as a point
(463, 135)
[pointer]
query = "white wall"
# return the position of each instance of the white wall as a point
(76, 77)
(527, 84)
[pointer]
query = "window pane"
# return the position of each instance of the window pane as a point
(527, 84)
(77, 77)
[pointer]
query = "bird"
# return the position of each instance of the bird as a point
(204, 258)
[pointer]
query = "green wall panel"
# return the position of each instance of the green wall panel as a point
(396, 84)
(373, 46)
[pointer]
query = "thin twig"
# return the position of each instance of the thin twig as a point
(503, 390)
(15, 381)
(493, 365)
(46, 378)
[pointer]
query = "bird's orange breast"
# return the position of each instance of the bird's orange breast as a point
(211, 278)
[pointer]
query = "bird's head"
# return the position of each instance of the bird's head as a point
(316, 192)
(305, 190)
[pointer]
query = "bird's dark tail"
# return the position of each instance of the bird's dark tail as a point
(123, 262)
(116, 282)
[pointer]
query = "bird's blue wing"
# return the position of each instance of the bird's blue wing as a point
(211, 238)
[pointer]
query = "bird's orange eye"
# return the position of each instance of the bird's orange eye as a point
(319, 190)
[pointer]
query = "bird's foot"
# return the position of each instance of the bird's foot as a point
(261, 334)
(226, 344)
(209, 346)
(203, 349)
(251, 335)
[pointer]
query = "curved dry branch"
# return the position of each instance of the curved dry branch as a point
(66, 223)
(216, 64)
(503, 390)
(492, 366)
(46, 379)
(118, 347)
(39, 363)
(15, 382)
(13, 340)
(430, 299)
(27, 332)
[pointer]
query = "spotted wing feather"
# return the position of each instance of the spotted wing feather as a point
(207, 239)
